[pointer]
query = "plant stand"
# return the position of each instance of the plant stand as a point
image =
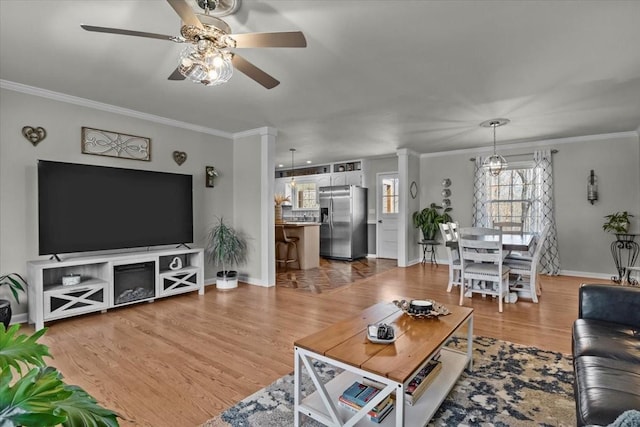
(624, 245)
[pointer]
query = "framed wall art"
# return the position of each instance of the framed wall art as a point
(113, 144)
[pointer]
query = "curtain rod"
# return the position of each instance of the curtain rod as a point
(554, 151)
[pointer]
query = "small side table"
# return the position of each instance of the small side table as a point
(429, 246)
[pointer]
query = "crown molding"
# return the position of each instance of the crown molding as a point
(83, 102)
(534, 144)
(266, 130)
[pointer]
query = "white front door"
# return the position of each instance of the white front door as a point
(387, 207)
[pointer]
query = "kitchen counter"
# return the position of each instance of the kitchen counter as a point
(308, 234)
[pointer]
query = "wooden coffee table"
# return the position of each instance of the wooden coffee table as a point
(345, 345)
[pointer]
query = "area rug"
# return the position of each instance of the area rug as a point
(511, 385)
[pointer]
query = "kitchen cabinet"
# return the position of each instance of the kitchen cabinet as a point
(283, 186)
(347, 178)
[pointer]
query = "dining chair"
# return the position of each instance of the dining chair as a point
(449, 233)
(481, 256)
(524, 269)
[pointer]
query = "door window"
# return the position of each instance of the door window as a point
(389, 195)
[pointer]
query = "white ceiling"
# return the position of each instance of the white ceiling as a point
(376, 75)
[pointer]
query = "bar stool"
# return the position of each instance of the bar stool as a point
(290, 245)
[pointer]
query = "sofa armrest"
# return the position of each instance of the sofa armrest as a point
(610, 303)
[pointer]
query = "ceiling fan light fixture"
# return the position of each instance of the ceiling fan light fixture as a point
(495, 163)
(205, 64)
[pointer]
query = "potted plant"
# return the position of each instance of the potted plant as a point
(226, 247)
(39, 396)
(617, 223)
(16, 283)
(429, 218)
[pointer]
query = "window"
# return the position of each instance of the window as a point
(390, 195)
(510, 195)
(306, 196)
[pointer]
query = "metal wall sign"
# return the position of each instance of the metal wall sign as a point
(113, 144)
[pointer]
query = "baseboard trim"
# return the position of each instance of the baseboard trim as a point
(586, 274)
(19, 318)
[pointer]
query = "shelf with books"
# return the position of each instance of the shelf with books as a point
(453, 363)
(357, 395)
(419, 384)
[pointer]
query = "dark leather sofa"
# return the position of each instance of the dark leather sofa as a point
(606, 353)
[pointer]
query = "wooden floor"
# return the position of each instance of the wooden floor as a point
(182, 360)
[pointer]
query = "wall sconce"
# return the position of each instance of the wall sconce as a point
(210, 174)
(592, 188)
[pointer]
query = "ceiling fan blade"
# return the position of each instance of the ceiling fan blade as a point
(185, 12)
(253, 72)
(283, 39)
(131, 33)
(176, 75)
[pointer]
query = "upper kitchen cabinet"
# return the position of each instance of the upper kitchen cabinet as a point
(349, 173)
(283, 186)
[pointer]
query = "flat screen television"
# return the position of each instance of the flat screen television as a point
(89, 208)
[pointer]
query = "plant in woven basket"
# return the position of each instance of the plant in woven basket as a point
(38, 397)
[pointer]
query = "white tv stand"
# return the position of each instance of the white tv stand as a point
(49, 299)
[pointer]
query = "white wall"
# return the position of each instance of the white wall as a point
(63, 122)
(583, 247)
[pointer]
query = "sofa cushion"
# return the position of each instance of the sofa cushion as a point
(605, 388)
(606, 339)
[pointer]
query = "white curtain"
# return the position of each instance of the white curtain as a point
(479, 211)
(543, 210)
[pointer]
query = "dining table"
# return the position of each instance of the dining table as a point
(510, 242)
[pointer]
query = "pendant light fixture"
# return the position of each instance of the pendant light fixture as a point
(293, 181)
(494, 163)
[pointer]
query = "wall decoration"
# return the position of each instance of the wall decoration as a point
(34, 135)
(113, 144)
(446, 193)
(180, 157)
(210, 173)
(413, 189)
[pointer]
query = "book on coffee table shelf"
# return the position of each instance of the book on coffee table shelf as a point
(359, 393)
(421, 381)
(377, 414)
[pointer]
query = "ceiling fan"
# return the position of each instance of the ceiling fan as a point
(208, 58)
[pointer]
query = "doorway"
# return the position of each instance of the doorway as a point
(387, 207)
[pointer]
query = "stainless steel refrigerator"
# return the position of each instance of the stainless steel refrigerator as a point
(343, 222)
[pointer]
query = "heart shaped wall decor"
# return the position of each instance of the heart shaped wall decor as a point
(180, 157)
(34, 135)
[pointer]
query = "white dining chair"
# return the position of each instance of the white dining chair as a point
(481, 256)
(524, 269)
(449, 233)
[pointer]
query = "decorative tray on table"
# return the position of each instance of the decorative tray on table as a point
(422, 309)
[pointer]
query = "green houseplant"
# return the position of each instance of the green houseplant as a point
(226, 247)
(429, 218)
(617, 222)
(39, 397)
(16, 283)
